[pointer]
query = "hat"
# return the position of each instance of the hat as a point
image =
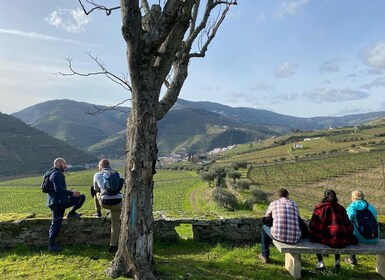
(358, 195)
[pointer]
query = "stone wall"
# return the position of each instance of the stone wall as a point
(94, 231)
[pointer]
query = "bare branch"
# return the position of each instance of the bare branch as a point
(194, 16)
(212, 29)
(97, 7)
(108, 108)
(145, 6)
(123, 82)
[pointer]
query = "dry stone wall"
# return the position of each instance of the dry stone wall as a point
(94, 231)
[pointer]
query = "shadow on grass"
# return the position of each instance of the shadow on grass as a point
(185, 259)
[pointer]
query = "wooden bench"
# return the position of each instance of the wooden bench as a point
(304, 246)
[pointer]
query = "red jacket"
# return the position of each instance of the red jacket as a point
(330, 225)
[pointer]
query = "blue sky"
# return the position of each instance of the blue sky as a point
(301, 58)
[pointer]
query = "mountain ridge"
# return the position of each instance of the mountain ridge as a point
(189, 126)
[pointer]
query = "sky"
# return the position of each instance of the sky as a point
(301, 58)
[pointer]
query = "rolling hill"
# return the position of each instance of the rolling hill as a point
(189, 126)
(27, 150)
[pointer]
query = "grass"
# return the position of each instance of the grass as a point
(21, 196)
(181, 260)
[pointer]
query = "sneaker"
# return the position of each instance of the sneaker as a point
(337, 264)
(98, 214)
(73, 215)
(112, 249)
(54, 248)
(351, 261)
(320, 265)
(264, 259)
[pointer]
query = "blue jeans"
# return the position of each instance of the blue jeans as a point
(266, 239)
(57, 216)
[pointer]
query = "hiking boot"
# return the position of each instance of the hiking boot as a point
(73, 215)
(54, 248)
(98, 214)
(320, 265)
(112, 249)
(337, 264)
(351, 261)
(264, 259)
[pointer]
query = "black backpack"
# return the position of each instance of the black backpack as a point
(46, 184)
(112, 183)
(366, 223)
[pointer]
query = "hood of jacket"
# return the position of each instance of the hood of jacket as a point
(358, 204)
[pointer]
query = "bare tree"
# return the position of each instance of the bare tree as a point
(160, 44)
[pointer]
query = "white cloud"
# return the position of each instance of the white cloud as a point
(289, 8)
(73, 21)
(323, 95)
(375, 56)
(330, 66)
(38, 36)
(285, 70)
(379, 82)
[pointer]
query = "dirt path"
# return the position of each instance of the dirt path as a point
(193, 198)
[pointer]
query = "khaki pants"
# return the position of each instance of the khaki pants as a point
(115, 218)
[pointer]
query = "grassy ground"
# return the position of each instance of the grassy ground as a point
(182, 260)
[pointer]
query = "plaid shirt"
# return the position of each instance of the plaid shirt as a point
(285, 220)
(330, 225)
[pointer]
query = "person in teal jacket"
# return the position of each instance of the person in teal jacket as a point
(358, 203)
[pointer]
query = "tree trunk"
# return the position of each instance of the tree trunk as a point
(134, 257)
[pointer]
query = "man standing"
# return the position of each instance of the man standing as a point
(58, 199)
(359, 204)
(285, 226)
(103, 199)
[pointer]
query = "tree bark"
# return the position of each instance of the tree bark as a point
(155, 44)
(134, 257)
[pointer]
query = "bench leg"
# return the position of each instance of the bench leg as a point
(380, 265)
(293, 264)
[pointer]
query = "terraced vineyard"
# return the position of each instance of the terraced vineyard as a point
(303, 172)
(307, 180)
(24, 196)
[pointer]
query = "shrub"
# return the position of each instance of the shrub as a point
(224, 198)
(243, 184)
(233, 174)
(250, 201)
(259, 195)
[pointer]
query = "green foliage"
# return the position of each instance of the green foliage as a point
(233, 174)
(243, 184)
(237, 165)
(207, 176)
(259, 196)
(224, 198)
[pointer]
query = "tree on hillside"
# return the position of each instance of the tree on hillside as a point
(160, 43)
(233, 174)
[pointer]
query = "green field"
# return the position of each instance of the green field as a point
(171, 192)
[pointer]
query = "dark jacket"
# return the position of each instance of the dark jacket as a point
(59, 194)
(330, 225)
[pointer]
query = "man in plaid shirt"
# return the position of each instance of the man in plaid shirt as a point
(285, 226)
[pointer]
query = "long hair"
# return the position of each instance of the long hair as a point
(330, 196)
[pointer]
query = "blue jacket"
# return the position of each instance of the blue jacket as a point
(59, 194)
(352, 210)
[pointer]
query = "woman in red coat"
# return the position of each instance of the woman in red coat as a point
(330, 225)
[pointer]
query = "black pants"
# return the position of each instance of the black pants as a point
(58, 213)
